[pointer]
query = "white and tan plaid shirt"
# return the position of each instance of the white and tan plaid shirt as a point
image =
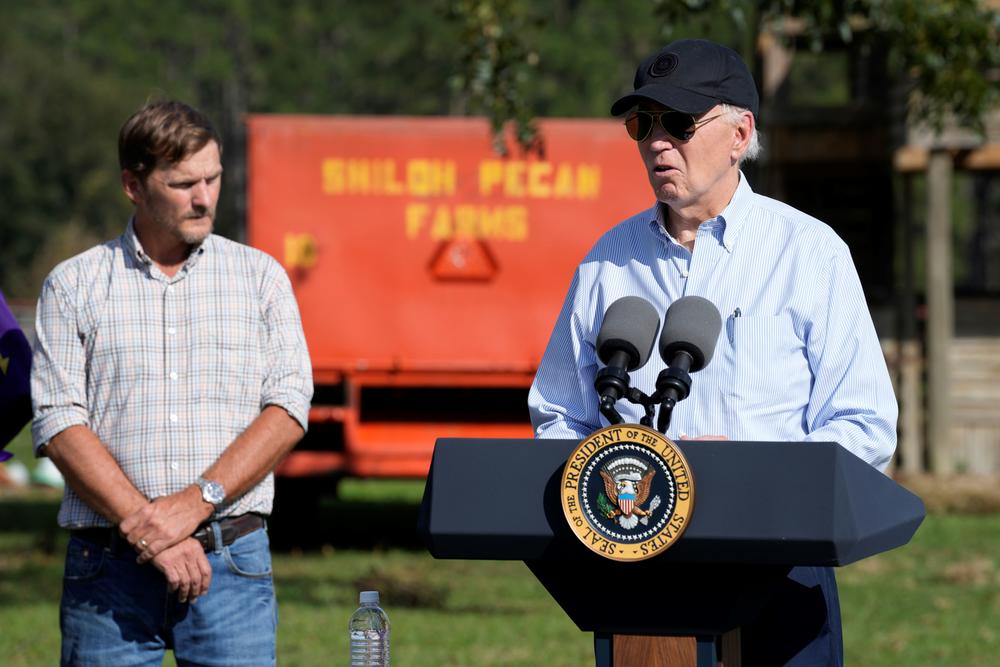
(166, 371)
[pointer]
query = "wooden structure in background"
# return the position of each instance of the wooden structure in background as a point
(838, 158)
(963, 422)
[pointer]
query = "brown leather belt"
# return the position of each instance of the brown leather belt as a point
(231, 527)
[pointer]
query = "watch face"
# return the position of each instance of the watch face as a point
(212, 492)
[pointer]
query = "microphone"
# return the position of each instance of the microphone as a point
(690, 330)
(624, 344)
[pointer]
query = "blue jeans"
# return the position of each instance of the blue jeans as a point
(117, 613)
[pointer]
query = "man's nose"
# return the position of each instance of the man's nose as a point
(200, 194)
(659, 136)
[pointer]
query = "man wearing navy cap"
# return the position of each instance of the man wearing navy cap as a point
(798, 358)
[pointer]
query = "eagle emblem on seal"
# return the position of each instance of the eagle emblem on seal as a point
(627, 481)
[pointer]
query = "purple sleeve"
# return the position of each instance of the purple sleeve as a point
(15, 370)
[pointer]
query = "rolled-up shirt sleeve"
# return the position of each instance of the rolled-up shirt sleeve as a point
(59, 367)
(288, 379)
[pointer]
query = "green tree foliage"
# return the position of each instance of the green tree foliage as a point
(949, 50)
(495, 63)
(587, 54)
(569, 58)
(53, 175)
(71, 71)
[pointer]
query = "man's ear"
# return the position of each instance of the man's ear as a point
(132, 186)
(742, 132)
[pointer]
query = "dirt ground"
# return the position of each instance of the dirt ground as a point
(959, 494)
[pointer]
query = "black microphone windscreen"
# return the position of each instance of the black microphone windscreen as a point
(629, 325)
(692, 324)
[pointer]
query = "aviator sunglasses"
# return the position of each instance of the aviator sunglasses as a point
(677, 124)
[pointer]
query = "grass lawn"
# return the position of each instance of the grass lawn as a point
(934, 602)
(450, 612)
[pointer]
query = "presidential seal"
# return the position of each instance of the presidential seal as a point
(627, 492)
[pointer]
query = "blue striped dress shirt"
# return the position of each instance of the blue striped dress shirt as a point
(167, 371)
(798, 358)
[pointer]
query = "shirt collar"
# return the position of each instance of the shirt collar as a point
(658, 225)
(196, 253)
(134, 250)
(727, 224)
(734, 216)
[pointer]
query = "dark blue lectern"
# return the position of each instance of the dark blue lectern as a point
(760, 508)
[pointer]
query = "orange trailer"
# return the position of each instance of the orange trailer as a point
(428, 269)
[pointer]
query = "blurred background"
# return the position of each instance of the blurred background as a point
(880, 117)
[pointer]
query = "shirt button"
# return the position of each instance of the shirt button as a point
(174, 465)
(170, 289)
(171, 331)
(173, 418)
(173, 376)
(684, 273)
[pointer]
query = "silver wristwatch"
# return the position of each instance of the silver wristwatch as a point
(211, 492)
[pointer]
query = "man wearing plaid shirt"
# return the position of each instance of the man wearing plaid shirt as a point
(170, 377)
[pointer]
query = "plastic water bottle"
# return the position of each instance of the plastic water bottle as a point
(369, 629)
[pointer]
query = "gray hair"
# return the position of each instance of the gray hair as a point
(734, 115)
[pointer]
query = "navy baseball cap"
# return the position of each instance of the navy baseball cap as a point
(692, 75)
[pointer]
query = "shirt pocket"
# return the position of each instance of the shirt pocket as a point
(770, 371)
(231, 364)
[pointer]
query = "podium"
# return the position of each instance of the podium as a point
(760, 509)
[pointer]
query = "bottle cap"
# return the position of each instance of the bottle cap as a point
(369, 597)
